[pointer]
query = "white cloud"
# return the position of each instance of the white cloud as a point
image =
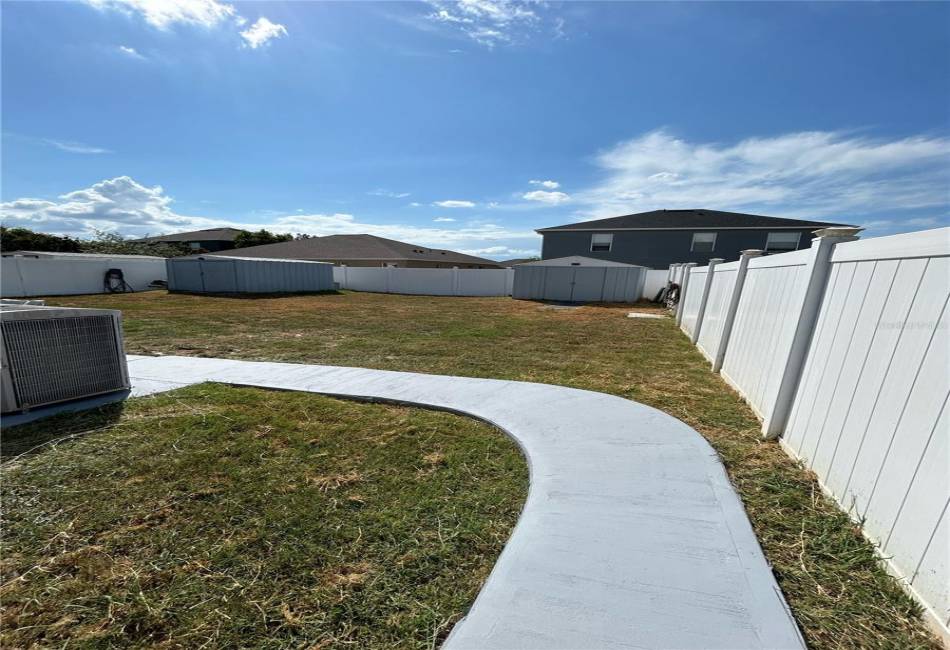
(261, 32)
(162, 14)
(130, 52)
(500, 252)
(75, 147)
(389, 194)
(490, 22)
(209, 14)
(549, 185)
(443, 219)
(807, 174)
(453, 203)
(415, 204)
(542, 196)
(129, 208)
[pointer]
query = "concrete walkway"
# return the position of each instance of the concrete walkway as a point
(631, 536)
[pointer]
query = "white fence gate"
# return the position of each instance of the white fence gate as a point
(842, 349)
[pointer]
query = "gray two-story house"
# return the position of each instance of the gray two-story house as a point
(662, 237)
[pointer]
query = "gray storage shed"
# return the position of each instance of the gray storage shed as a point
(218, 274)
(579, 279)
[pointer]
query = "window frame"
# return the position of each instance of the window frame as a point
(768, 238)
(610, 242)
(712, 248)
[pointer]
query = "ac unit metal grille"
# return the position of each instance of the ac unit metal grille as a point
(57, 359)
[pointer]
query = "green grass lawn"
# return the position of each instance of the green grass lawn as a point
(837, 589)
(227, 517)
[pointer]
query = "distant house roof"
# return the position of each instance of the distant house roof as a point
(80, 256)
(356, 247)
(690, 220)
(575, 260)
(216, 257)
(211, 234)
(517, 260)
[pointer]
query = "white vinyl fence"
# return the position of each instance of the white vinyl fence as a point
(656, 279)
(22, 276)
(425, 282)
(842, 349)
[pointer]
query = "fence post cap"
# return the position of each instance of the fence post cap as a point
(752, 252)
(717, 260)
(837, 232)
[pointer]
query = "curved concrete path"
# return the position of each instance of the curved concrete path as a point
(631, 535)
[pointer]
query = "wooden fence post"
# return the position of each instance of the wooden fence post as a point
(702, 301)
(730, 315)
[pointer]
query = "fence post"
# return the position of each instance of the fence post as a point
(346, 279)
(455, 281)
(818, 268)
(730, 315)
(683, 286)
(702, 301)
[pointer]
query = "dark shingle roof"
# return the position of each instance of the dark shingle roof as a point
(211, 234)
(356, 247)
(690, 220)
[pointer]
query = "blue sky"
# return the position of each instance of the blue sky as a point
(468, 125)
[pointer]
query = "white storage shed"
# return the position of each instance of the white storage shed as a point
(218, 274)
(579, 279)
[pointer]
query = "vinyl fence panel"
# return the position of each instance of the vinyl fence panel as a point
(654, 281)
(693, 298)
(870, 415)
(717, 306)
(765, 325)
(22, 276)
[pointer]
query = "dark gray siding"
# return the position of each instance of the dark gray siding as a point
(658, 249)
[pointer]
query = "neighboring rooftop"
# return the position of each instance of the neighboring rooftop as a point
(209, 234)
(80, 256)
(358, 247)
(517, 260)
(690, 220)
(575, 260)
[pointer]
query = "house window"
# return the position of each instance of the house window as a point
(780, 242)
(601, 242)
(193, 245)
(703, 242)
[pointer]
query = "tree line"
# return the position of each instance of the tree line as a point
(24, 239)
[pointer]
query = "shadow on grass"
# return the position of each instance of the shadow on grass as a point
(37, 437)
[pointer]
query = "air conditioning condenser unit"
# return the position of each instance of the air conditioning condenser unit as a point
(58, 354)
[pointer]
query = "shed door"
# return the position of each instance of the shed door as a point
(588, 284)
(559, 283)
(219, 277)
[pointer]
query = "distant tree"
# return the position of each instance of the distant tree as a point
(245, 239)
(110, 243)
(23, 239)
